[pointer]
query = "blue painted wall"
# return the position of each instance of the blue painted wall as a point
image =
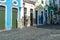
(9, 5)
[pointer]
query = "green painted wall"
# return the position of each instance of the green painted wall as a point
(49, 8)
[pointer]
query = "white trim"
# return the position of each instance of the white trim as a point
(5, 13)
(3, 1)
(47, 13)
(43, 17)
(38, 17)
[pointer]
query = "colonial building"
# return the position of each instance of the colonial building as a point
(10, 13)
(28, 12)
(58, 11)
(39, 13)
(50, 10)
(45, 12)
(19, 13)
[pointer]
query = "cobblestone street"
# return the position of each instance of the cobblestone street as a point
(33, 33)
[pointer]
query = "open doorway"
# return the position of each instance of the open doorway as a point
(31, 17)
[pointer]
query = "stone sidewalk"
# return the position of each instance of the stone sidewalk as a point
(51, 32)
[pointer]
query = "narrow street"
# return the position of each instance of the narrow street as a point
(49, 32)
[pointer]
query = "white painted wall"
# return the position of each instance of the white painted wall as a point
(47, 2)
(40, 2)
(22, 8)
(29, 6)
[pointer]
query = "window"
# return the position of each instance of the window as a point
(51, 12)
(15, 2)
(46, 13)
(42, 2)
(31, 10)
(2, 0)
(51, 2)
(25, 10)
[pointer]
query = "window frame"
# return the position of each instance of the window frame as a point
(15, 1)
(42, 1)
(25, 10)
(31, 10)
(2, 1)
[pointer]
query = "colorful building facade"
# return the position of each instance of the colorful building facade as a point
(51, 12)
(58, 11)
(18, 13)
(28, 12)
(47, 11)
(9, 14)
(39, 13)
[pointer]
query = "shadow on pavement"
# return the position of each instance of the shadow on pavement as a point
(56, 27)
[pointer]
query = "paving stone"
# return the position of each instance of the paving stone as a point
(32, 33)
